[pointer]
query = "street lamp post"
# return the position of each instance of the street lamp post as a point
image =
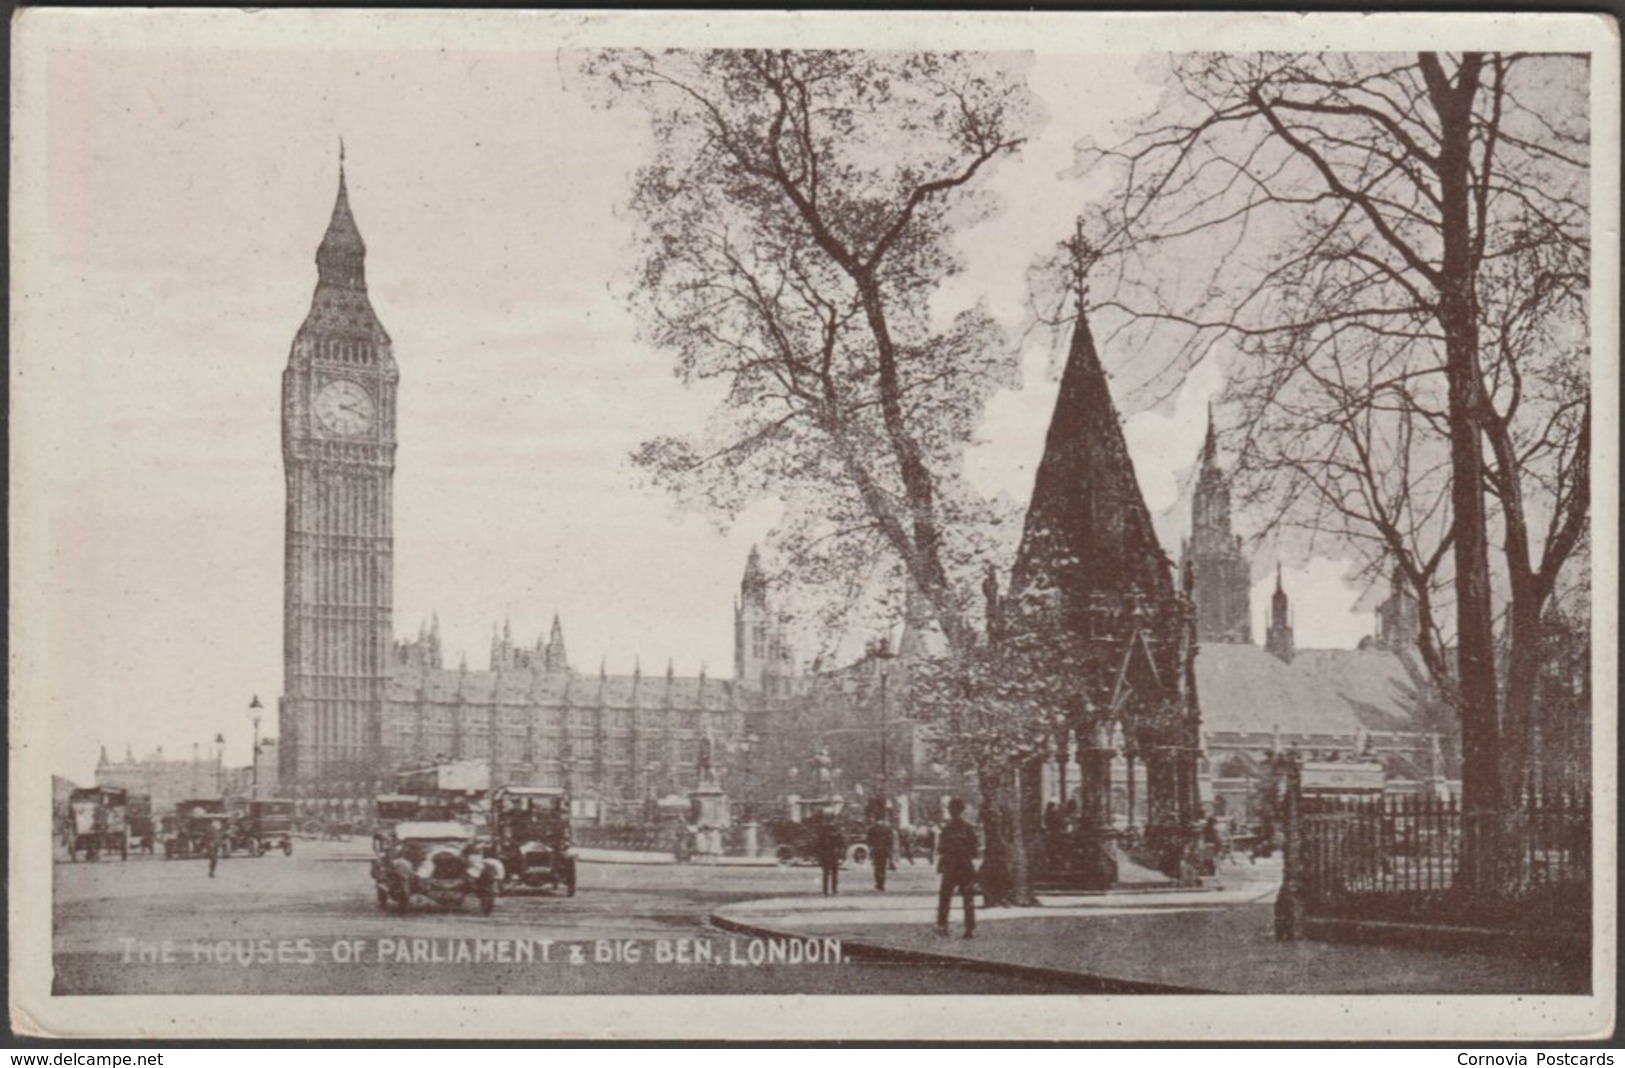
(220, 764)
(748, 745)
(885, 769)
(884, 653)
(254, 707)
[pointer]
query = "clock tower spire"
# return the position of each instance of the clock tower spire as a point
(338, 454)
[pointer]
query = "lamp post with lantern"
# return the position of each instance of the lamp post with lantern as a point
(254, 708)
(747, 745)
(884, 654)
(220, 764)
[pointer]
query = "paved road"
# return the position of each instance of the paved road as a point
(310, 924)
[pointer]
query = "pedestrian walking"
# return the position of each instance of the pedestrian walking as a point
(879, 837)
(216, 845)
(956, 859)
(830, 846)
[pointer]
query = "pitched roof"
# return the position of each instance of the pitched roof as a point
(1245, 689)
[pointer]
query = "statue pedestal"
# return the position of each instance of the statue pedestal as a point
(709, 807)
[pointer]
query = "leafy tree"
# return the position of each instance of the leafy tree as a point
(798, 215)
(1394, 248)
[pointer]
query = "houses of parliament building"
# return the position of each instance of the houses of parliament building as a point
(357, 704)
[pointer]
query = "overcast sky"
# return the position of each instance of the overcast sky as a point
(186, 192)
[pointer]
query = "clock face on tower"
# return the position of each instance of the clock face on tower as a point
(343, 407)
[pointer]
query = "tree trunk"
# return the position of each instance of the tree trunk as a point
(995, 875)
(1006, 876)
(1524, 642)
(1458, 317)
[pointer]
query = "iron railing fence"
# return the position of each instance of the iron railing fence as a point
(1422, 859)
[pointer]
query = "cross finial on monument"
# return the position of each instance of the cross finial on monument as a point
(1083, 255)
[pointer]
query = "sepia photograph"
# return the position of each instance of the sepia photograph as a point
(726, 526)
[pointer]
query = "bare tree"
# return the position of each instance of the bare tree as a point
(1396, 249)
(798, 215)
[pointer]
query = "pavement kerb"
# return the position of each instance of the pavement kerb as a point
(595, 855)
(1079, 982)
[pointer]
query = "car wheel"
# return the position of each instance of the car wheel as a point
(860, 854)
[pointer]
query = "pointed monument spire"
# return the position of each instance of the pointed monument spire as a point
(1088, 528)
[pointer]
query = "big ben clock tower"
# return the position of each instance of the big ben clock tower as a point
(338, 454)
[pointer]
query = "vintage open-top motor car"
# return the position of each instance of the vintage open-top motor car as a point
(440, 861)
(531, 828)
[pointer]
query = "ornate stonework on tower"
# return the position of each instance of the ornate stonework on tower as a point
(762, 660)
(1399, 619)
(1223, 581)
(751, 625)
(338, 452)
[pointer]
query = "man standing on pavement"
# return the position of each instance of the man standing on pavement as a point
(830, 845)
(216, 845)
(879, 837)
(956, 859)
